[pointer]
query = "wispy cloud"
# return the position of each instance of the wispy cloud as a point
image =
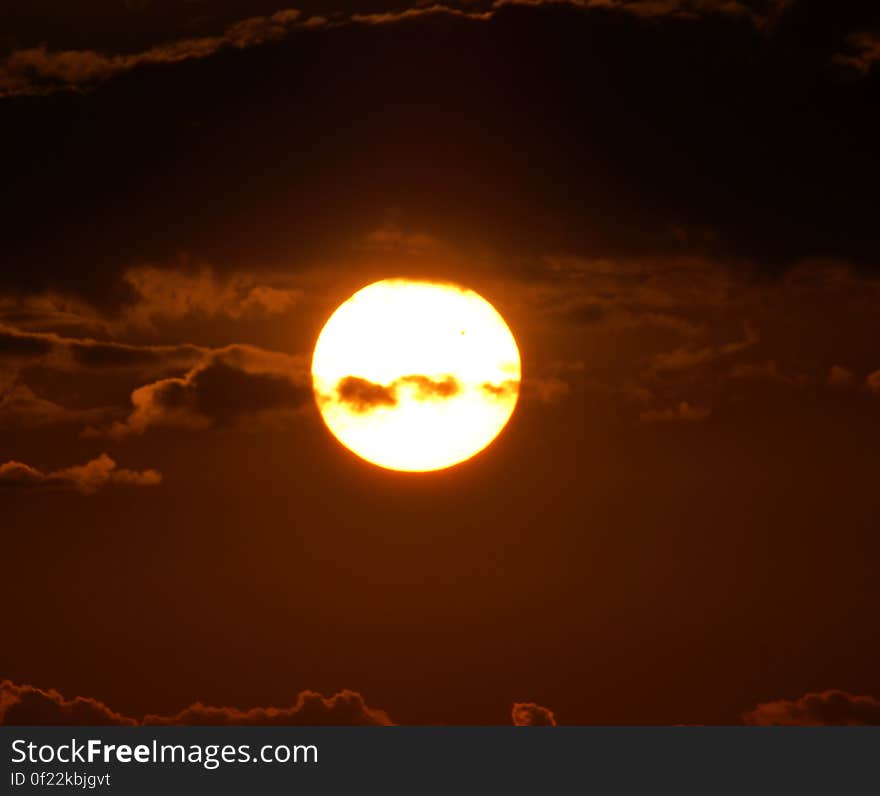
(38, 70)
(184, 292)
(864, 52)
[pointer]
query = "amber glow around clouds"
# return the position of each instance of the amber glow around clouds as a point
(414, 375)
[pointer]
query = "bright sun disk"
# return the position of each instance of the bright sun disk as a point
(416, 376)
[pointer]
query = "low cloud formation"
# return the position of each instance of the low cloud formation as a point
(817, 708)
(362, 395)
(873, 382)
(86, 478)
(37, 70)
(231, 387)
(27, 705)
(529, 714)
(864, 52)
(342, 709)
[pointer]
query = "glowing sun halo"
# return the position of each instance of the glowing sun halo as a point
(414, 375)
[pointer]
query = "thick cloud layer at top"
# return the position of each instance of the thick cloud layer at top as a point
(485, 154)
(38, 70)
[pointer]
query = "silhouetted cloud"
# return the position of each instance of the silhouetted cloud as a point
(48, 349)
(26, 704)
(529, 714)
(311, 708)
(86, 478)
(817, 708)
(232, 386)
(363, 395)
(427, 388)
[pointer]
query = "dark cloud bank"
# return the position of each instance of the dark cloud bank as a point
(26, 704)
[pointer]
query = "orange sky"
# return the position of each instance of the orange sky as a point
(672, 205)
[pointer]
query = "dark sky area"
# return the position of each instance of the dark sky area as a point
(673, 203)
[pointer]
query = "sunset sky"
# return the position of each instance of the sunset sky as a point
(674, 206)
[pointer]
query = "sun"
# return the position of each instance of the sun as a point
(415, 375)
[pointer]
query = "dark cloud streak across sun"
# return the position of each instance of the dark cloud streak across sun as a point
(363, 395)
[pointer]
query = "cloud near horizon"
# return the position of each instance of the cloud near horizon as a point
(25, 704)
(22, 704)
(822, 708)
(530, 714)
